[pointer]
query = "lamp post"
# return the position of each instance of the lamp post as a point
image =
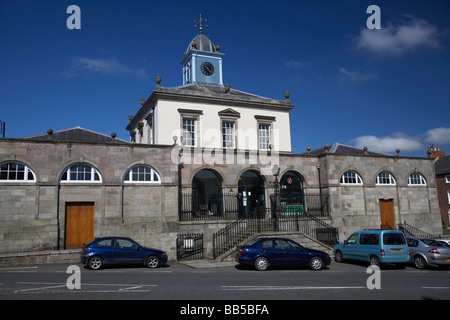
(277, 195)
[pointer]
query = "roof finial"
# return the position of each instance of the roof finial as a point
(199, 22)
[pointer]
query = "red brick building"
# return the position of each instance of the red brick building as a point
(442, 168)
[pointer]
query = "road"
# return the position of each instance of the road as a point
(180, 282)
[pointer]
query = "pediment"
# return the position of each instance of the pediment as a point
(229, 113)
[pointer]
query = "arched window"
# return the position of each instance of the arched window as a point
(16, 172)
(291, 189)
(142, 174)
(351, 177)
(385, 178)
(416, 179)
(81, 173)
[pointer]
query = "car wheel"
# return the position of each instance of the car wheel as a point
(316, 263)
(338, 256)
(374, 261)
(152, 262)
(262, 264)
(419, 262)
(95, 263)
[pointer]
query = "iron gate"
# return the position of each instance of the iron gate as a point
(190, 246)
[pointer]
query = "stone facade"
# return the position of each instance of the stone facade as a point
(32, 215)
(357, 207)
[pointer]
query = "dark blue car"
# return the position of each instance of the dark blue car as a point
(120, 250)
(265, 252)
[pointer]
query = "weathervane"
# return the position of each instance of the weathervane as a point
(199, 22)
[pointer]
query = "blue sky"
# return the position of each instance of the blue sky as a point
(384, 89)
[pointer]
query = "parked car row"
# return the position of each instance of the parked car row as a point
(391, 246)
(376, 247)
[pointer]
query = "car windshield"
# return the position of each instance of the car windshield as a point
(445, 243)
(393, 238)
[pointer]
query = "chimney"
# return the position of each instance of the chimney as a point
(434, 152)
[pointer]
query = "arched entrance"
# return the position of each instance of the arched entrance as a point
(207, 193)
(252, 194)
(292, 192)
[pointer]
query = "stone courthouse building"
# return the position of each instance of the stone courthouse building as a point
(201, 156)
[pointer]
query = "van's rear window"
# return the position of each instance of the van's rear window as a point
(393, 238)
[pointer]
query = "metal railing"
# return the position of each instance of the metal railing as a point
(190, 246)
(230, 206)
(411, 231)
(209, 206)
(240, 230)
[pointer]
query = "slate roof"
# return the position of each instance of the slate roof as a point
(338, 148)
(219, 91)
(442, 165)
(77, 134)
(206, 93)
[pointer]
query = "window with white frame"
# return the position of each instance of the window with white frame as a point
(228, 135)
(142, 174)
(189, 132)
(447, 179)
(16, 172)
(351, 177)
(448, 196)
(416, 179)
(385, 178)
(81, 173)
(264, 136)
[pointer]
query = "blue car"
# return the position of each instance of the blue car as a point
(120, 250)
(265, 252)
(375, 247)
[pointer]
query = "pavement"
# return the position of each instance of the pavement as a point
(208, 264)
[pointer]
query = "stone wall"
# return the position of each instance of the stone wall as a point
(357, 207)
(32, 215)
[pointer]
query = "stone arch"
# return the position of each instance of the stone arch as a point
(252, 193)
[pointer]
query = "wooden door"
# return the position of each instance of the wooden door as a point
(387, 214)
(79, 224)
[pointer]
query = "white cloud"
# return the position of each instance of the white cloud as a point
(355, 76)
(398, 140)
(389, 144)
(106, 67)
(438, 136)
(293, 64)
(411, 34)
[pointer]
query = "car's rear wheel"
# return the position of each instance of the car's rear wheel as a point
(262, 264)
(374, 261)
(316, 263)
(95, 262)
(152, 262)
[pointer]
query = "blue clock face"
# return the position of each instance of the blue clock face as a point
(207, 68)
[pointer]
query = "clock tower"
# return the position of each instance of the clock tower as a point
(202, 62)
